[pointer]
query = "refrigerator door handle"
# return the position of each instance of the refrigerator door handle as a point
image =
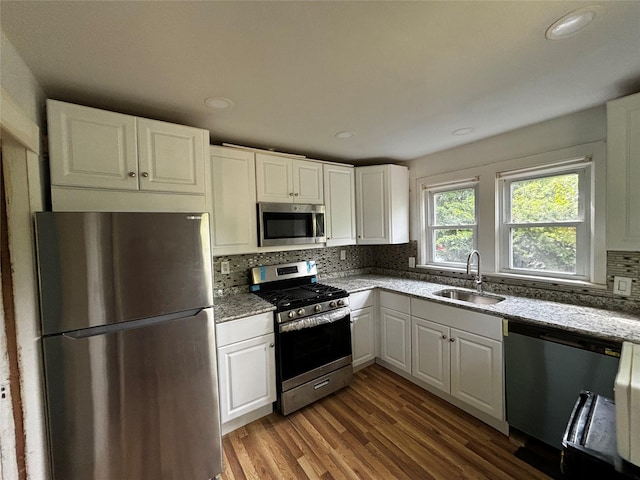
(119, 327)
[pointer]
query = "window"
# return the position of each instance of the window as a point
(451, 223)
(545, 221)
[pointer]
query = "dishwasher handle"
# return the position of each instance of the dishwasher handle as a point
(548, 337)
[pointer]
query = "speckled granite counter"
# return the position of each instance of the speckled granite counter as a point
(238, 306)
(606, 324)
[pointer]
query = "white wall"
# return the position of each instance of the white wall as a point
(23, 171)
(575, 129)
(19, 82)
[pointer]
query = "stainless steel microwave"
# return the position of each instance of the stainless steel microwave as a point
(290, 224)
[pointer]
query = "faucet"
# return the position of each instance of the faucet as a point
(478, 279)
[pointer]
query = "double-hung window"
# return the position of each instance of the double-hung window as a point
(451, 223)
(545, 221)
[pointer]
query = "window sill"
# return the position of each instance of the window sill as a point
(513, 276)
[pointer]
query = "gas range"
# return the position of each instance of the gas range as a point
(312, 333)
(294, 290)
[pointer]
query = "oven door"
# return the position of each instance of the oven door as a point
(310, 349)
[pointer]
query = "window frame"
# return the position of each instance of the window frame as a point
(428, 192)
(584, 169)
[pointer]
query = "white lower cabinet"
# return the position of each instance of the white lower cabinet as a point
(246, 369)
(476, 371)
(459, 352)
(363, 328)
(395, 331)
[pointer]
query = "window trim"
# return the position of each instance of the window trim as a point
(428, 214)
(584, 169)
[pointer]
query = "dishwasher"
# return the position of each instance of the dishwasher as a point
(545, 371)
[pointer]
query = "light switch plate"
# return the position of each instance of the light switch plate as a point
(224, 268)
(622, 286)
(412, 262)
(343, 254)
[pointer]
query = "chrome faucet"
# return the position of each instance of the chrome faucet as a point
(478, 279)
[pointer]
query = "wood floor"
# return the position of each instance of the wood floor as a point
(380, 427)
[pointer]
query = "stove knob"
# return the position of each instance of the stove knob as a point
(291, 314)
(301, 311)
(340, 302)
(332, 304)
(317, 308)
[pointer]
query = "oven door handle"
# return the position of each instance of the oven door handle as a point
(315, 320)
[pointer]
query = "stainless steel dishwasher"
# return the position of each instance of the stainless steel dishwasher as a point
(546, 369)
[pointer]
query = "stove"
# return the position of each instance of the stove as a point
(312, 329)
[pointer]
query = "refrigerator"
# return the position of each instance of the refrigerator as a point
(129, 347)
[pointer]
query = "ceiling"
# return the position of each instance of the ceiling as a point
(402, 76)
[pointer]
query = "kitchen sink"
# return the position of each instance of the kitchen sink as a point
(471, 297)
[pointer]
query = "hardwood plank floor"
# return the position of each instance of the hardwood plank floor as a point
(380, 427)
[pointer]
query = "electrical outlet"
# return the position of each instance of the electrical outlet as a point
(622, 286)
(412, 262)
(224, 268)
(4, 392)
(343, 254)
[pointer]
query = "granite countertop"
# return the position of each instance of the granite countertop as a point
(606, 324)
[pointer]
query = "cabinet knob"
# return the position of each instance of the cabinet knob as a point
(145, 174)
(291, 194)
(444, 337)
(452, 339)
(271, 345)
(132, 174)
(295, 194)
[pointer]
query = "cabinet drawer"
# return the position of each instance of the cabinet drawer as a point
(474, 322)
(395, 301)
(244, 328)
(360, 300)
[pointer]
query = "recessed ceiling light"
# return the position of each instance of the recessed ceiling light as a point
(572, 23)
(219, 103)
(344, 135)
(462, 131)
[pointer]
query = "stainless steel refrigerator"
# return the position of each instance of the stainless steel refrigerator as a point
(129, 345)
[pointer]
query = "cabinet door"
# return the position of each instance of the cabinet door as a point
(247, 376)
(274, 178)
(233, 192)
(363, 336)
(92, 148)
(395, 338)
(307, 182)
(431, 353)
(171, 157)
(623, 173)
(372, 205)
(339, 197)
(476, 372)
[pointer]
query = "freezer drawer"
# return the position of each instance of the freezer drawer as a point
(137, 403)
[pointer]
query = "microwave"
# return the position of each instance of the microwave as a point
(290, 224)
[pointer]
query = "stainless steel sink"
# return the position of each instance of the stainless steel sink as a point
(471, 297)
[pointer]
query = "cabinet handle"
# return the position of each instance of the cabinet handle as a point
(271, 345)
(444, 337)
(145, 174)
(295, 194)
(291, 194)
(452, 339)
(132, 174)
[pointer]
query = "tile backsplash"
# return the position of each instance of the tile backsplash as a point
(393, 260)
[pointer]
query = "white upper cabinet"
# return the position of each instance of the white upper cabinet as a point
(171, 157)
(91, 147)
(339, 189)
(382, 202)
(623, 173)
(233, 197)
(106, 150)
(287, 180)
